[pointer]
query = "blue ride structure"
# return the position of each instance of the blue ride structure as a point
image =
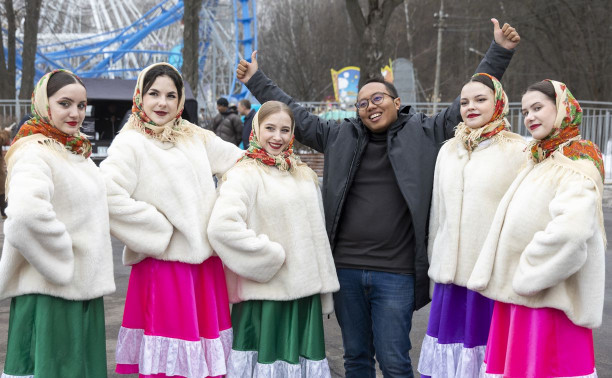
(94, 44)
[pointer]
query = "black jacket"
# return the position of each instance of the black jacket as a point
(413, 144)
(247, 127)
(228, 127)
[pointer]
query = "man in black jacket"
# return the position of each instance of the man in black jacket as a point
(227, 124)
(244, 108)
(377, 183)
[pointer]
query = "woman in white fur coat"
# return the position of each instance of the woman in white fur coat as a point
(57, 257)
(159, 178)
(543, 260)
(473, 171)
(269, 230)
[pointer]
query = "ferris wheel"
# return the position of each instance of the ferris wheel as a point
(116, 39)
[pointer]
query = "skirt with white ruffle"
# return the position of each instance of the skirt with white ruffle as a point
(176, 320)
(454, 345)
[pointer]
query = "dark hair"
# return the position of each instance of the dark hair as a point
(162, 70)
(246, 103)
(380, 79)
(59, 80)
(483, 79)
(545, 87)
(222, 101)
(272, 107)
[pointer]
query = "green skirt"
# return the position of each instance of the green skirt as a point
(278, 339)
(52, 337)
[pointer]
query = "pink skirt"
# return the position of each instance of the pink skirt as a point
(537, 342)
(176, 320)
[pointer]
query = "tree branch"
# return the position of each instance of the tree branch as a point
(356, 16)
(387, 9)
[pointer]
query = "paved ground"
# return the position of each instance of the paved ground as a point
(114, 310)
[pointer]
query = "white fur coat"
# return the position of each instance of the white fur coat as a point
(57, 239)
(268, 228)
(546, 245)
(466, 191)
(160, 194)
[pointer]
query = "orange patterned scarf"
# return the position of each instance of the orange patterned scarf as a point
(565, 134)
(42, 122)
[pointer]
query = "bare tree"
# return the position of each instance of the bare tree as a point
(569, 42)
(7, 68)
(371, 29)
(28, 56)
(191, 22)
(300, 41)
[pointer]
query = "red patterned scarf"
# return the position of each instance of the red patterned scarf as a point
(472, 137)
(285, 161)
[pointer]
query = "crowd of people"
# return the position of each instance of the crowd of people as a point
(504, 237)
(232, 123)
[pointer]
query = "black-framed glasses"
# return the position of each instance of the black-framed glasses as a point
(376, 99)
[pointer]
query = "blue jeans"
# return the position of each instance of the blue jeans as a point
(374, 310)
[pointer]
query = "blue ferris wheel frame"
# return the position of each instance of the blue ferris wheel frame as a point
(58, 54)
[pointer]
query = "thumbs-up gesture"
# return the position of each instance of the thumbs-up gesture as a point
(246, 69)
(506, 36)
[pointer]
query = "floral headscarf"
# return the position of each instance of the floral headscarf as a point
(284, 161)
(565, 134)
(42, 122)
(140, 121)
(472, 137)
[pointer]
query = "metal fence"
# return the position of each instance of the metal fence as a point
(596, 119)
(12, 111)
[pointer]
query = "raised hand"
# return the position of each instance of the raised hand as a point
(245, 70)
(506, 36)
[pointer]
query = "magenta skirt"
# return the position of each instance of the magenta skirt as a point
(176, 320)
(537, 342)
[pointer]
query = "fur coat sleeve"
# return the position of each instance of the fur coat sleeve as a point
(560, 250)
(138, 224)
(32, 226)
(248, 254)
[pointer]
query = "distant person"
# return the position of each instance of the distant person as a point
(23, 120)
(159, 177)
(227, 124)
(244, 108)
(202, 118)
(112, 115)
(57, 259)
(17, 127)
(378, 178)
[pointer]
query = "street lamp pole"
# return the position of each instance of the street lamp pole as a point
(440, 25)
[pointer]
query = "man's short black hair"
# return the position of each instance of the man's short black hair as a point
(379, 79)
(222, 101)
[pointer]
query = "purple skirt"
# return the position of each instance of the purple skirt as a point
(457, 333)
